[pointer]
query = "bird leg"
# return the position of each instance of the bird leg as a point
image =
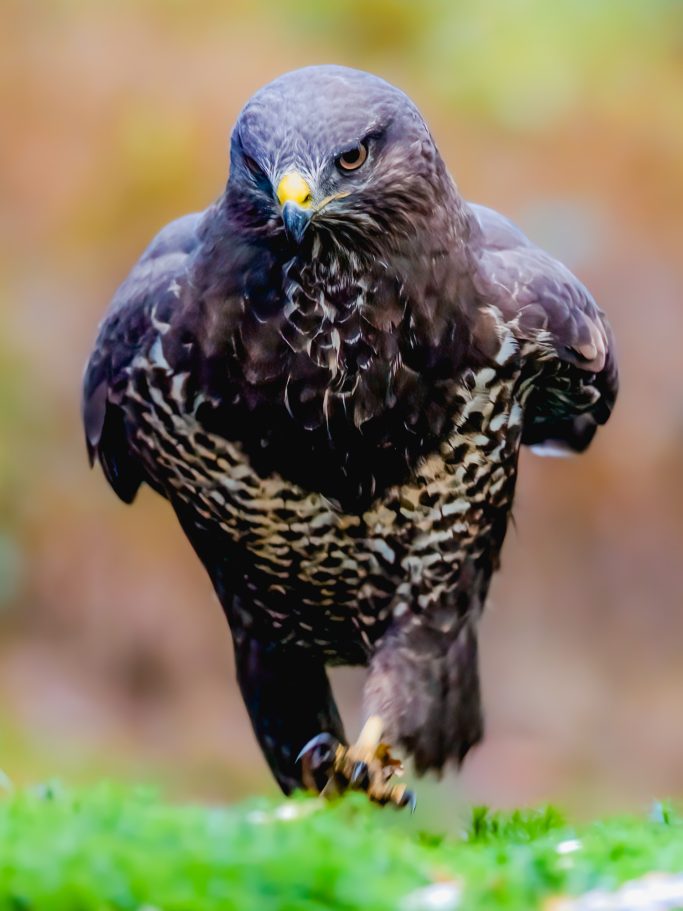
(366, 765)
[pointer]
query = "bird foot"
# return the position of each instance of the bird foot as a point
(331, 768)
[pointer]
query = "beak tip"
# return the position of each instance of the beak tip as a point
(295, 219)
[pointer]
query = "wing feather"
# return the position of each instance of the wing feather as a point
(124, 329)
(545, 305)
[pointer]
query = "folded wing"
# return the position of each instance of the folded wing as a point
(551, 312)
(124, 331)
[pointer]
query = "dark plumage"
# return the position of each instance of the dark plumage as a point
(329, 377)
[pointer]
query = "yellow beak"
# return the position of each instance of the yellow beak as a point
(293, 188)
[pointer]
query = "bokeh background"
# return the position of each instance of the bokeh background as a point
(115, 116)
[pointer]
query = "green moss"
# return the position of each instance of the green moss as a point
(116, 848)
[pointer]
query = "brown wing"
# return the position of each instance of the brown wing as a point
(125, 328)
(543, 303)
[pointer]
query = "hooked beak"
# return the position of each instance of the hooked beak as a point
(296, 198)
(295, 220)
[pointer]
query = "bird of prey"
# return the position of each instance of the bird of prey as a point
(329, 374)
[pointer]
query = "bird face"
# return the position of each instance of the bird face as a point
(336, 153)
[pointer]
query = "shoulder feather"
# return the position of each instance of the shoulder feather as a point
(124, 328)
(544, 304)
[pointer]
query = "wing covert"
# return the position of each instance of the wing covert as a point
(545, 305)
(124, 329)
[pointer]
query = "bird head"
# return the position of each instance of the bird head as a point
(335, 153)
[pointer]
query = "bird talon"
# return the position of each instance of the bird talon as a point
(407, 799)
(368, 765)
(360, 776)
(330, 768)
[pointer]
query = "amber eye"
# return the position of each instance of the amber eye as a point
(353, 159)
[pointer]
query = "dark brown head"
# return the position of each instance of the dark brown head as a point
(337, 153)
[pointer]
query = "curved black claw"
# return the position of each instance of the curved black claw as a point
(360, 776)
(408, 800)
(317, 759)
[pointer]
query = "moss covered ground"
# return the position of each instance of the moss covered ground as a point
(111, 847)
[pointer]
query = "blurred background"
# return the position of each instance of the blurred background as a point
(566, 116)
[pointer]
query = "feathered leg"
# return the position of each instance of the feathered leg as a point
(285, 689)
(289, 700)
(422, 694)
(424, 684)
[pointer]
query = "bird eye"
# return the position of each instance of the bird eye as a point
(353, 158)
(253, 166)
